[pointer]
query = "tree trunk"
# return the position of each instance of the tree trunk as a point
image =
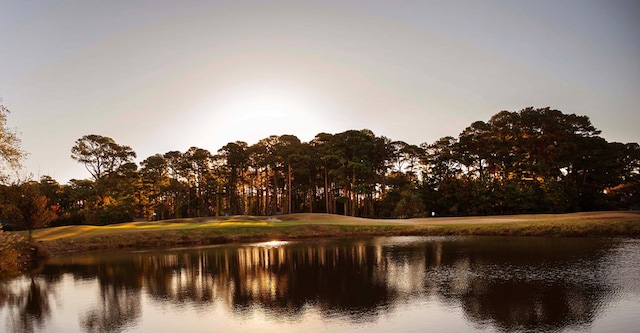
(289, 188)
(352, 194)
(274, 203)
(326, 191)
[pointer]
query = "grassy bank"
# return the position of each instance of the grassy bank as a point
(204, 231)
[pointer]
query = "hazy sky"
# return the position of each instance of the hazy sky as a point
(167, 75)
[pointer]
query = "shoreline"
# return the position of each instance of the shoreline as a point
(238, 229)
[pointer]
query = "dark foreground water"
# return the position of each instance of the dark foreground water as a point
(388, 284)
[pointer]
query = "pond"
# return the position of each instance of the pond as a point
(398, 284)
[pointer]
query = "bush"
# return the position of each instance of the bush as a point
(10, 244)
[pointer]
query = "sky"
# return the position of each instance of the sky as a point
(163, 75)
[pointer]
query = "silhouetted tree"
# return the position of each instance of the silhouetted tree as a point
(101, 155)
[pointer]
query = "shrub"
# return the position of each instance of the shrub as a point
(10, 244)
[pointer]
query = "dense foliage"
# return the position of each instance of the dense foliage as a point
(10, 246)
(529, 161)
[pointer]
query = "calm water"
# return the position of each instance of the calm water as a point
(388, 284)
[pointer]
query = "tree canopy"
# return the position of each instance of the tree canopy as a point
(101, 155)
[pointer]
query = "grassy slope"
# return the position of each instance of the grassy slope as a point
(202, 231)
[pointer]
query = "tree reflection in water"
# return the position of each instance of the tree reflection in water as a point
(118, 307)
(543, 284)
(27, 303)
(506, 284)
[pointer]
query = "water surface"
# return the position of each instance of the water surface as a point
(398, 284)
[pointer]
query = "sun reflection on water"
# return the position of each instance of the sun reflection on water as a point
(273, 243)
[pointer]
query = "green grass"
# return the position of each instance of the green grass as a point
(204, 231)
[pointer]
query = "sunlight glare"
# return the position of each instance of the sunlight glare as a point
(255, 110)
(270, 244)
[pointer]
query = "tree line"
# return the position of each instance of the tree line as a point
(536, 160)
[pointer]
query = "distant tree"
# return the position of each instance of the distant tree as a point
(289, 149)
(112, 195)
(177, 182)
(81, 202)
(322, 146)
(532, 160)
(263, 154)
(11, 154)
(10, 214)
(627, 192)
(235, 159)
(306, 178)
(410, 205)
(117, 194)
(50, 188)
(473, 146)
(24, 205)
(155, 181)
(402, 198)
(441, 160)
(101, 155)
(358, 159)
(197, 167)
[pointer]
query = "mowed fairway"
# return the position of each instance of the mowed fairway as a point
(212, 230)
(76, 231)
